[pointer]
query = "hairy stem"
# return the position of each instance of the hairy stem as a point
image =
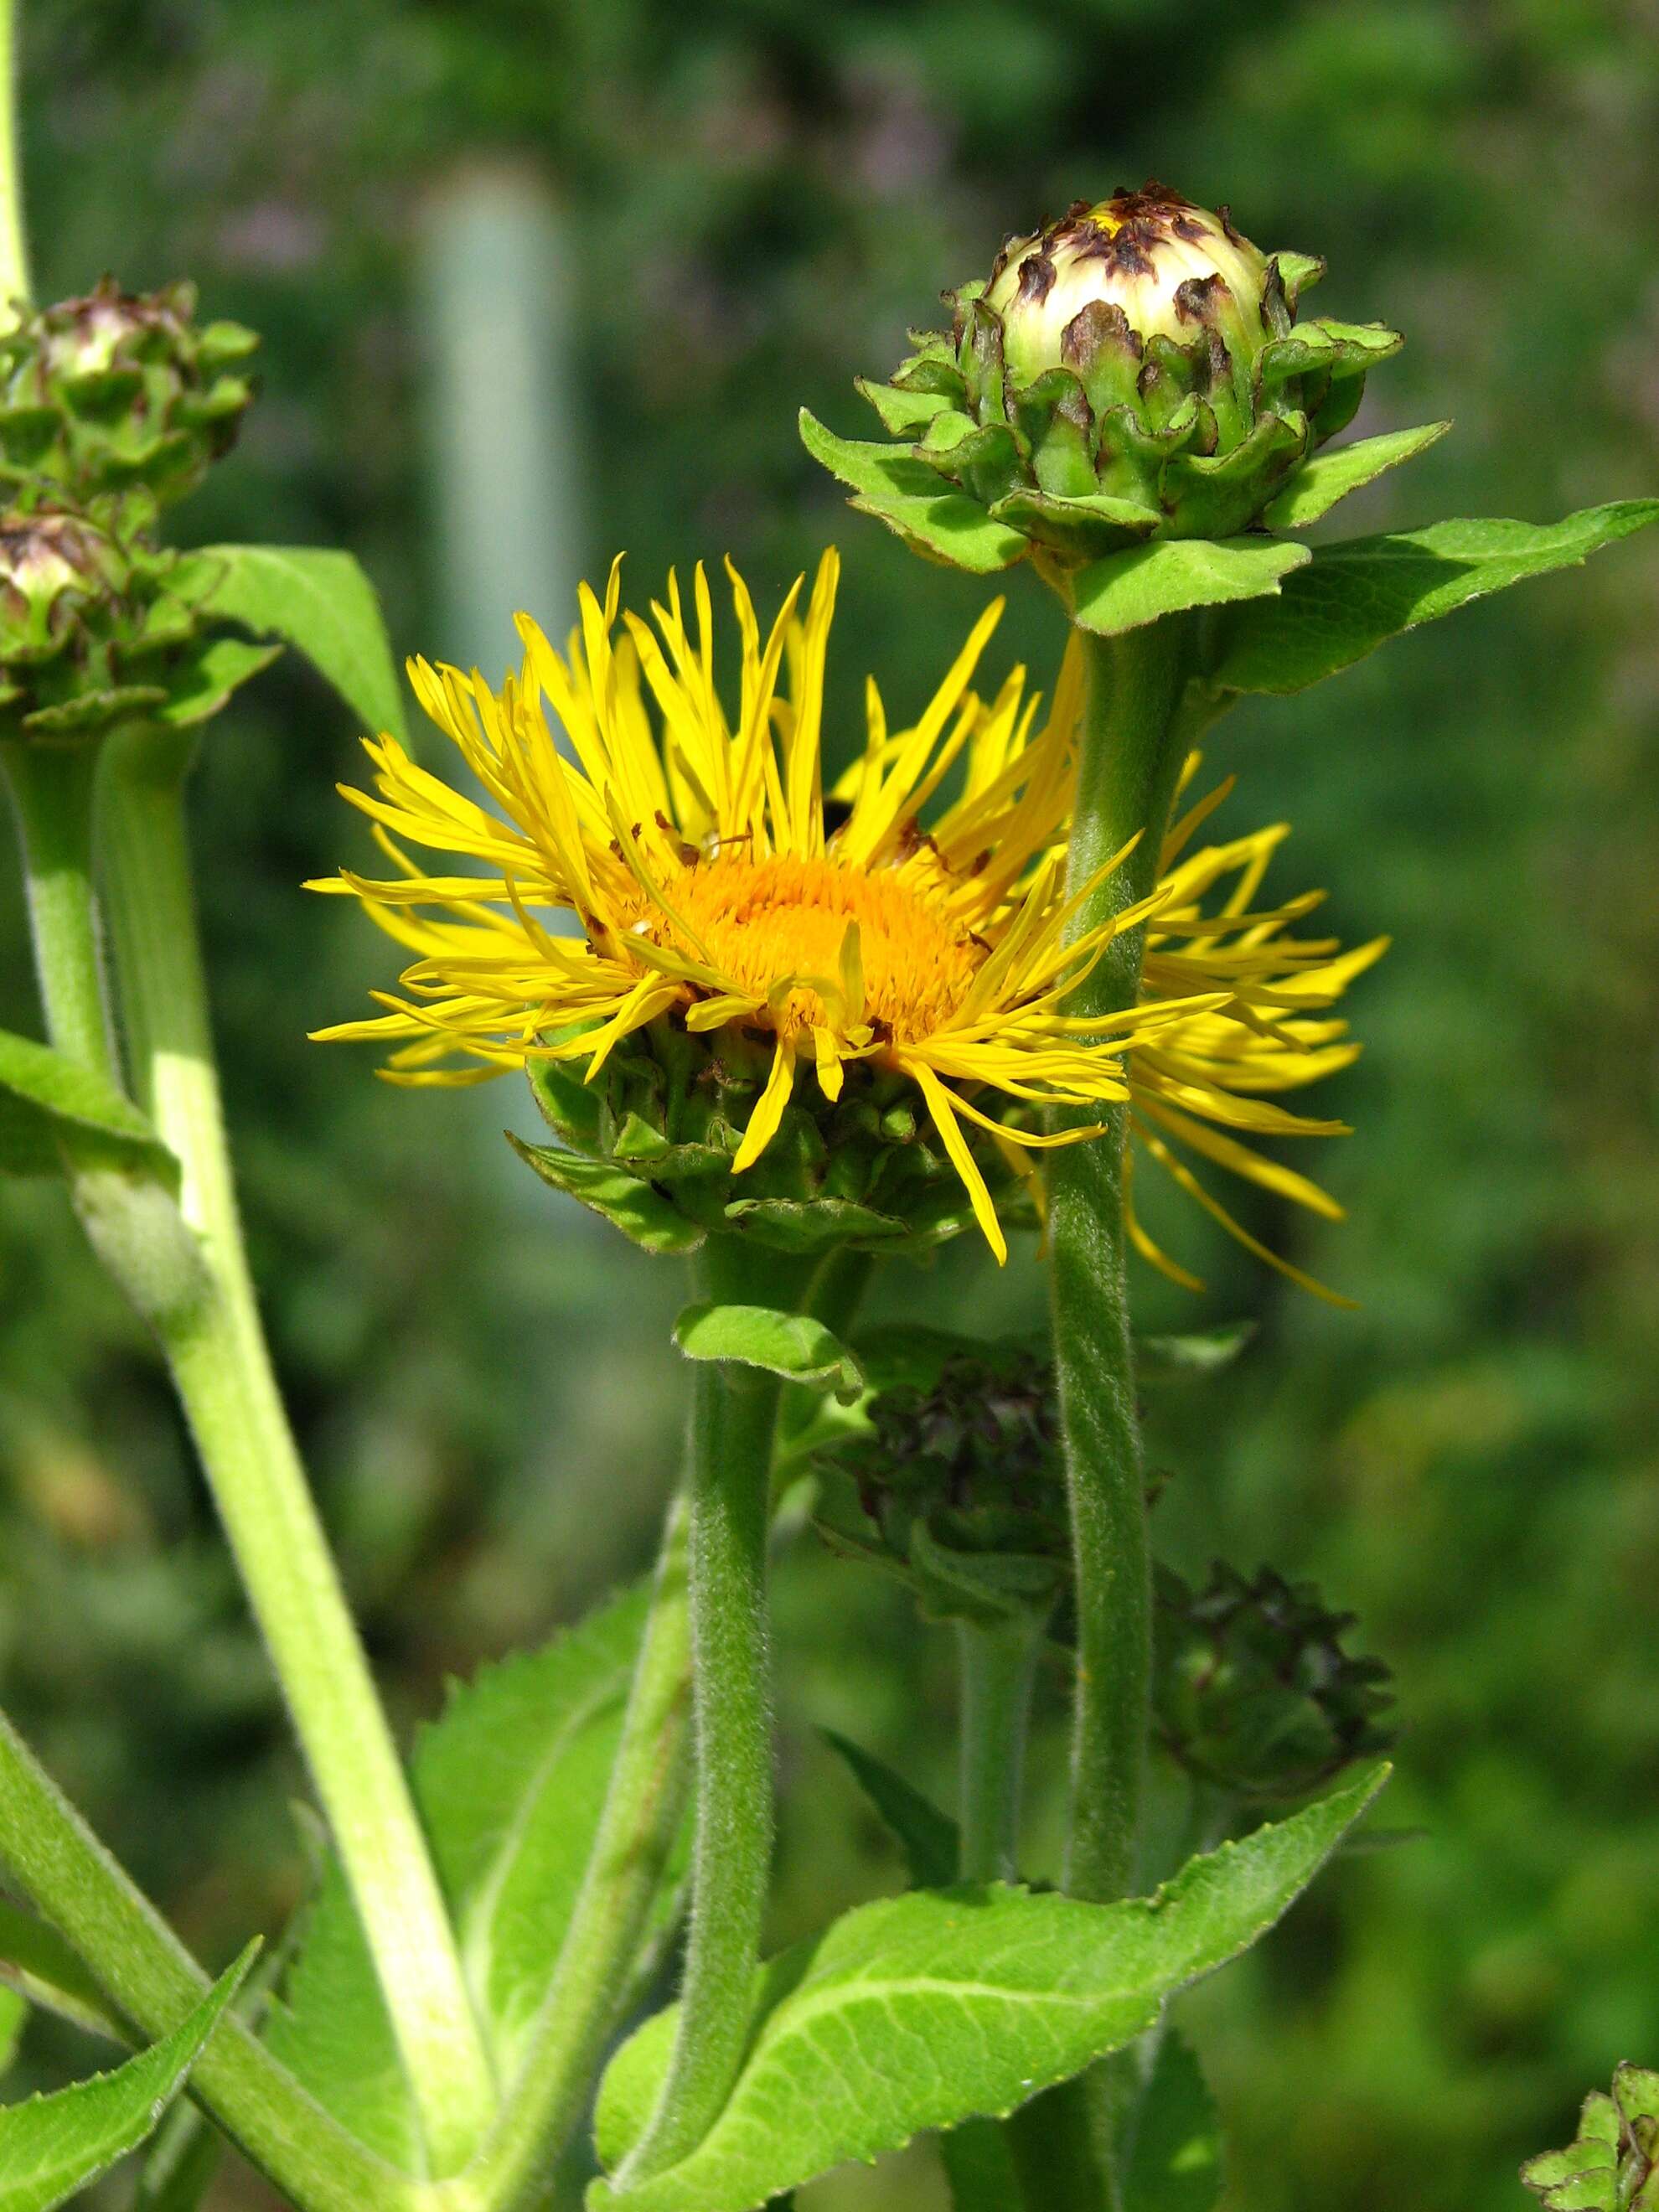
(1131, 757)
(215, 1348)
(68, 1877)
(734, 1413)
(996, 1667)
(1126, 781)
(591, 1983)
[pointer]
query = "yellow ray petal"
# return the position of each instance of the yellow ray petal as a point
(939, 1105)
(768, 1110)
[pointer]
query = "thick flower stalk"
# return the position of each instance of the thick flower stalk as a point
(813, 1021)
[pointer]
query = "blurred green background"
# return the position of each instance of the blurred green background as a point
(539, 282)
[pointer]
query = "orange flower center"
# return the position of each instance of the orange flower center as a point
(765, 923)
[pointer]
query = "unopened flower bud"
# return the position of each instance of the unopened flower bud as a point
(114, 390)
(1612, 2164)
(1140, 265)
(50, 561)
(1132, 371)
(97, 623)
(960, 1488)
(1253, 1692)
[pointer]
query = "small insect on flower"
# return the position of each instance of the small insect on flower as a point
(843, 990)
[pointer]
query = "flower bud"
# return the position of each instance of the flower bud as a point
(97, 623)
(1253, 1692)
(1612, 2164)
(115, 390)
(1138, 266)
(959, 1486)
(1132, 371)
(51, 562)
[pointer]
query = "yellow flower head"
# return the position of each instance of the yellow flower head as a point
(673, 871)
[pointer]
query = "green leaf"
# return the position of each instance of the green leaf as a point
(637, 1208)
(39, 1965)
(1175, 2137)
(13, 2018)
(47, 1100)
(1611, 2164)
(510, 1783)
(908, 496)
(52, 2146)
(1357, 594)
(930, 1839)
(1316, 487)
(794, 1346)
(1180, 1358)
(320, 601)
(1299, 273)
(204, 676)
(905, 414)
(1127, 590)
(923, 2010)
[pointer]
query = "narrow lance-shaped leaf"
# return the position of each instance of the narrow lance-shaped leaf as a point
(930, 1839)
(510, 1783)
(53, 2146)
(923, 2010)
(1353, 595)
(320, 601)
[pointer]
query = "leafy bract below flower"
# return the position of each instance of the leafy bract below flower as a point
(675, 899)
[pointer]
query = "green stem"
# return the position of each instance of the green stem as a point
(68, 1877)
(590, 1986)
(1126, 781)
(14, 244)
(734, 1413)
(1131, 755)
(996, 1667)
(217, 1350)
(51, 788)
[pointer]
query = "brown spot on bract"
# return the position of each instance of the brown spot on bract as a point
(1200, 299)
(1102, 323)
(1036, 279)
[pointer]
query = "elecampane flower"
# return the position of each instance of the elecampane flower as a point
(679, 864)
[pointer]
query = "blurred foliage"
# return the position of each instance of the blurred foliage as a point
(760, 194)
